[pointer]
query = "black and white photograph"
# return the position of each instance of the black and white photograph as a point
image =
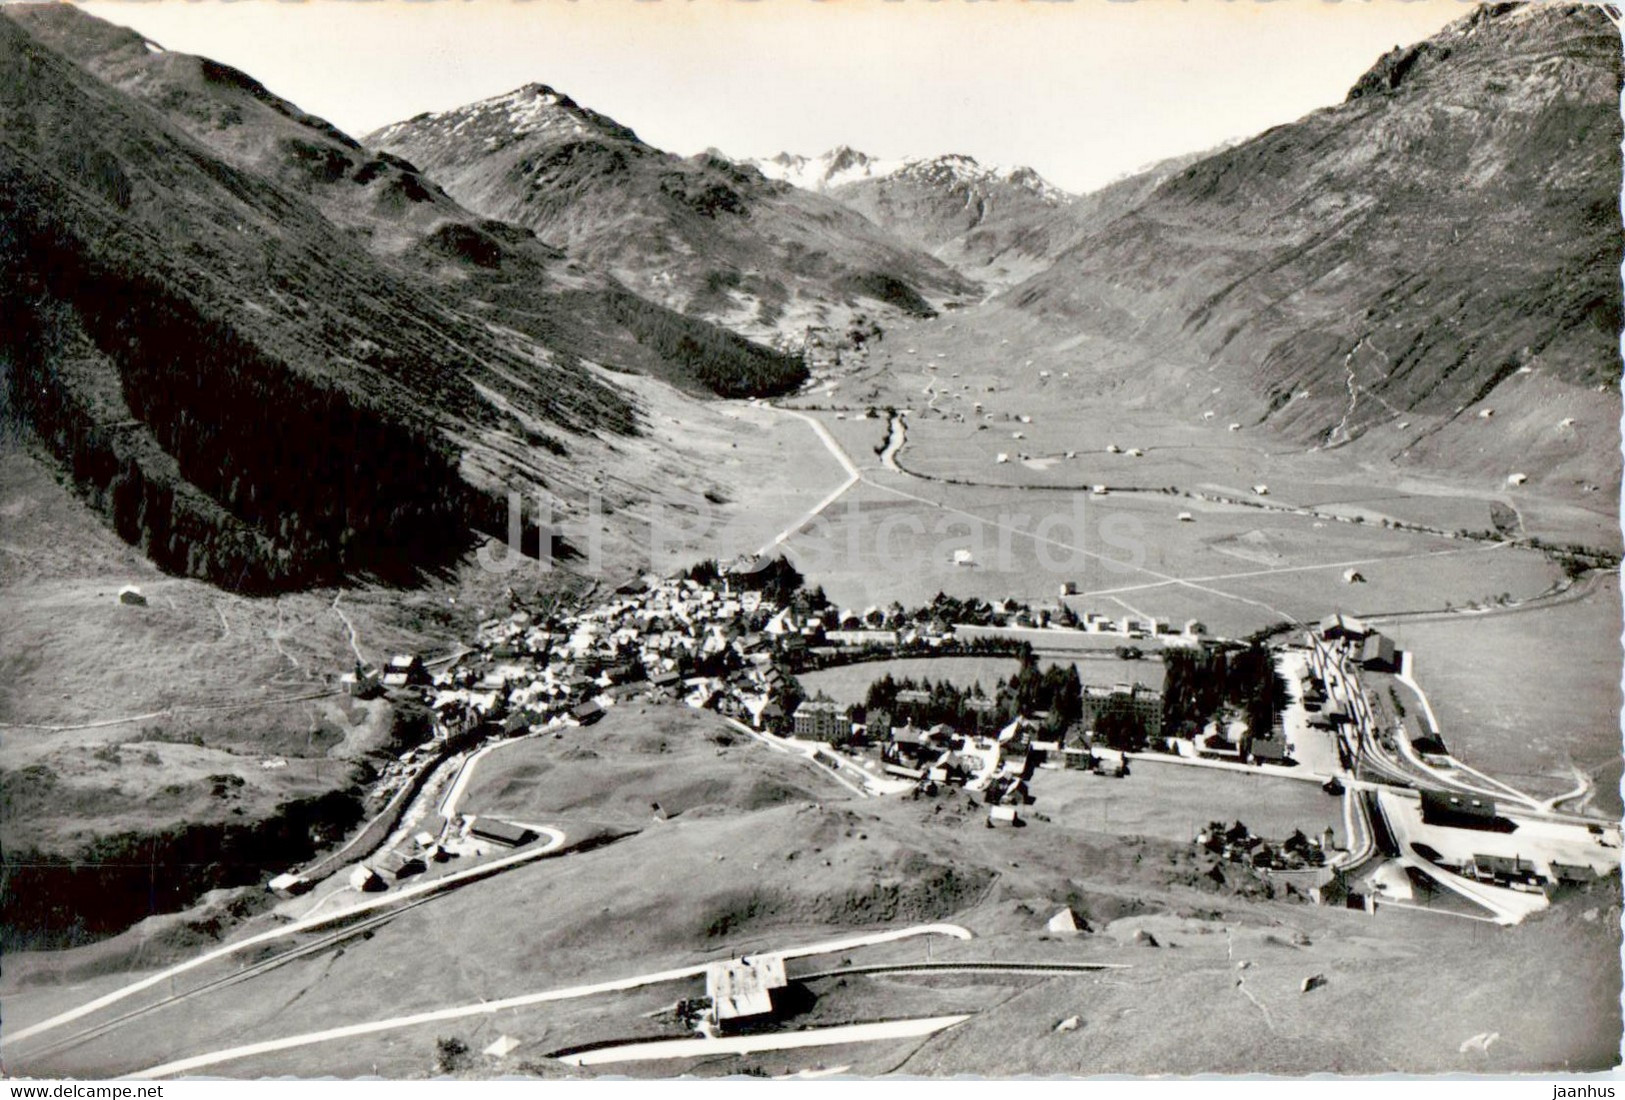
(581, 539)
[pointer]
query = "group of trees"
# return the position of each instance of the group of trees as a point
(1120, 726)
(725, 363)
(1199, 681)
(1056, 689)
(947, 703)
(1030, 690)
(778, 581)
(223, 462)
(887, 288)
(1576, 559)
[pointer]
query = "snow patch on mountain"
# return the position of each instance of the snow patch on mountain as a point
(844, 165)
(532, 109)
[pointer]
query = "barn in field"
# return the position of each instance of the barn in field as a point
(500, 832)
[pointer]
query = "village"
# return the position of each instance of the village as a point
(1324, 707)
(734, 642)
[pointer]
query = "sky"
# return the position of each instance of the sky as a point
(1082, 90)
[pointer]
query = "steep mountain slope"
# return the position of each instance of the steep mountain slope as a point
(703, 235)
(991, 224)
(498, 270)
(266, 374)
(1453, 222)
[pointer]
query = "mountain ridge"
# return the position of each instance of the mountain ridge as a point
(992, 224)
(702, 235)
(1390, 247)
(844, 165)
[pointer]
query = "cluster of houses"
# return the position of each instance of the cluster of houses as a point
(402, 671)
(414, 855)
(713, 644)
(1237, 844)
(717, 644)
(1012, 615)
(1228, 737)
(997, 767)
(1517, 873)
(1458, 810)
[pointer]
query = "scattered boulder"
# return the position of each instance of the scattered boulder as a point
(1071, 1023)
(1314, 981)
(504, 1046)
(1145, 939)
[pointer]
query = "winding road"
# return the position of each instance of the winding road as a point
(853, 476)
(867, 784)
(856, 476)
(897, 438)
(488, 1008)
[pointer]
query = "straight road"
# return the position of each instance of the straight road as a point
(853, 476)
(751, 1044)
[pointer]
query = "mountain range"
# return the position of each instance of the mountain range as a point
(186, 251)
(218, 301)
(705, 235)
(991, 224)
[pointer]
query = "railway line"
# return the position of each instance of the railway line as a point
(393, 900)
(243, 974)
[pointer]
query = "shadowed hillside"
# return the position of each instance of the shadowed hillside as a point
(180, 262)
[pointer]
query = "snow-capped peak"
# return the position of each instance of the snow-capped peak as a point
(836, 167)
(957, 169)
(844, 165)
(531, 109)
